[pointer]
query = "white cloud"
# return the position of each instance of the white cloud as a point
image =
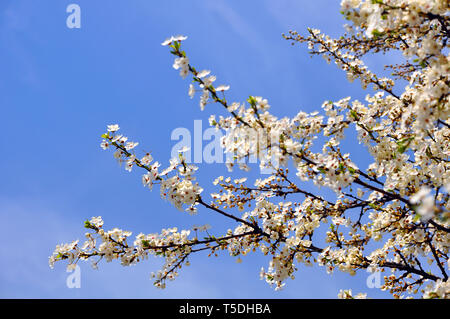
(238, 24)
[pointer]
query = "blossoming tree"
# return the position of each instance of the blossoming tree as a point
(401, 200)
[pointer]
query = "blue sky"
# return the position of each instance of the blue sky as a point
(60, 87)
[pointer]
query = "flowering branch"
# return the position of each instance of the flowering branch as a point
(401, 200)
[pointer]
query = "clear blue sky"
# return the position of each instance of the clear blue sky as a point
(60, 87)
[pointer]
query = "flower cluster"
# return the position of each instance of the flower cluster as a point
(180, 189)
(347, 294)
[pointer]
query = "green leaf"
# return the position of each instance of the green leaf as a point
(404, 144)
(251, 100)
(377, 33)
(401, 149)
